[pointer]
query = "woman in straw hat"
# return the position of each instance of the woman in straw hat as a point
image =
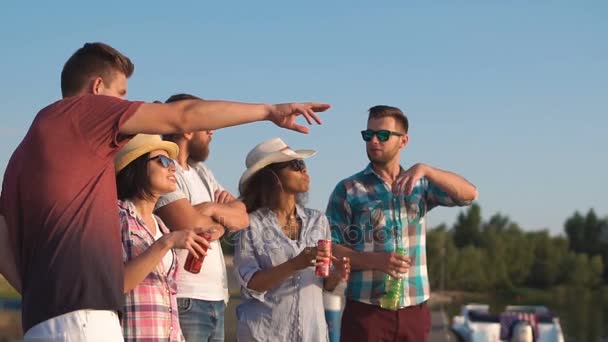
(145, 170)
(276, 255)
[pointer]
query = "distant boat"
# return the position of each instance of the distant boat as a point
(517, 323)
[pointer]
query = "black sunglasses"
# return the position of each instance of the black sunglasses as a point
(163, 160)
(382, 134)
(296, 165)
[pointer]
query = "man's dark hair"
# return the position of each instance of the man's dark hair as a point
(133, 181)
(181, 97)
(381, 111)
(175, 98)
(262, 190)
(93, 60)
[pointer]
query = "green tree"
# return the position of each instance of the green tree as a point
(589, 235)
(567, 274)
(437, 240)
(575, 230)
(596, 268)
(548, 253)
(467, 229)
(579, 270)
(469, 273)
(495, 260)
(518, 254)
(592, 233)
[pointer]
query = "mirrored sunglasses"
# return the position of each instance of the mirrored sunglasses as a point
(163, 160)
(383, 134)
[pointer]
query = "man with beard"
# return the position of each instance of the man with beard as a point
(200, 201)
(377, 211)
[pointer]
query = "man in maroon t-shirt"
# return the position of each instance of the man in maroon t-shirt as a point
(60, 241)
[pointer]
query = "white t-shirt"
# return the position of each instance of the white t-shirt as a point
(211, 283)
(168, 258)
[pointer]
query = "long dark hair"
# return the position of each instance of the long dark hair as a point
(263, 188)
(133, 181)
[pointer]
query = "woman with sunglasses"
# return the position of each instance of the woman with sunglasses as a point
(276, 256)
(144, 171)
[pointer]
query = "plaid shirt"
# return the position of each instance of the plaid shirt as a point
(365, 216)
(150, 309)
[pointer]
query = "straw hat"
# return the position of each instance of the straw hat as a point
(140, 145)
(270, 152)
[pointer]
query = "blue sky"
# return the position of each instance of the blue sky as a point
(510, 94)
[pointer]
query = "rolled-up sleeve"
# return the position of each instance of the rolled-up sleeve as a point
(435, 196)
(246, 263)
(339, 214)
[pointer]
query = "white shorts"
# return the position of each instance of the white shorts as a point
(80, 325)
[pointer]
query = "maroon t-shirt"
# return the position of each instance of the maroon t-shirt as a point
(59, 201)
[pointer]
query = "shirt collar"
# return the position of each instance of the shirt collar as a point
(129, 207)
(370, 171)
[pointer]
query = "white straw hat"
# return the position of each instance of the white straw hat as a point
(270, 152)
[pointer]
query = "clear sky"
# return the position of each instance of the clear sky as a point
(513, 95)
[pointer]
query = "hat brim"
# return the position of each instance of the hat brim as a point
(171, 148)
(275, 157)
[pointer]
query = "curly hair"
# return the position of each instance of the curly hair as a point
(263, 188)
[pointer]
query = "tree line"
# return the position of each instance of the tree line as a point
(478, 255)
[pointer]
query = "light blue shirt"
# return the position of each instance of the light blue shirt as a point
(293, 310)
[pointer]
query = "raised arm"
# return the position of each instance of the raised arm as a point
(8, 267)
(454, 185)
(198, 115)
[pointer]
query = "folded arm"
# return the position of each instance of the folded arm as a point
(180, 214)
(232, 215)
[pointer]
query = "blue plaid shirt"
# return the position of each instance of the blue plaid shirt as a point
(365, 216)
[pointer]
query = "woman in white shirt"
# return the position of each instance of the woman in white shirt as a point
(276, 256)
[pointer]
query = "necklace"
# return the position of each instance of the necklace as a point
(291, 228)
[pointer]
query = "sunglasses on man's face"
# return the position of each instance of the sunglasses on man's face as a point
(382, 134)
(163, 160)
(296, 165)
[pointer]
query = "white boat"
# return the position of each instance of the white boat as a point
(476, 324)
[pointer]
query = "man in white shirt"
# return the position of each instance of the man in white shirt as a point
(200, 201)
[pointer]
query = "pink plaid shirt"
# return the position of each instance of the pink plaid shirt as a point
(150, 309)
